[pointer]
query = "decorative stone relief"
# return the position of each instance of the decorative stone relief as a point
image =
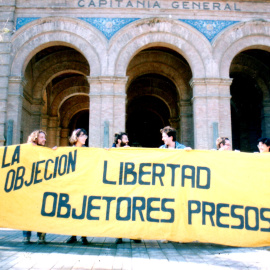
(21, 21)
(209, 28)
(109, 26)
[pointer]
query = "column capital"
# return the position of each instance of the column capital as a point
(174, 122)
(107, 86)
(185, 103)
(53, 122)
(17, 84)
(64, 132)
(211, 88)
(107, 79)
(17, 79)
(210, 81)
(34, 101)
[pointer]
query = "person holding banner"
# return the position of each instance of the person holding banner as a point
(169, 139)
(264, 145)
(37, 137)
(78, 139)
(121, 140)
(223, 144)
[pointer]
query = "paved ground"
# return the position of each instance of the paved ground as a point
(103, 253)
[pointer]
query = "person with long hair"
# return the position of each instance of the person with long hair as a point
(223, 144)
(78, 139)
(36, 138)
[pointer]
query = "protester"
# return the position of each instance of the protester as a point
(77, 139)
(264, 145)
(121, 140)
(37, 137)
(169, 139)
(223, 144)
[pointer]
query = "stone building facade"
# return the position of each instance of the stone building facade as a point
(136, 66)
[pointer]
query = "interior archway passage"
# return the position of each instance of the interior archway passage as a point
(74, 114)
(152, 102)
(57, 89)
(80, 120)
(250, 71)
(158, 94)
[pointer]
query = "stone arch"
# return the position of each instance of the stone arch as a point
(147, 33)
(159, 93)
(152, 102)
(70, 113)
(146, 115)
(165, 65)
(45, 78)
(254, 69)
(65, 95)
(240, 37)
(48, 72)
(51, 31)
(68, 83)
(250, 98)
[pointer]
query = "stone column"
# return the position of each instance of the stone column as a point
(266, 119)
(107, 105)
(225, 117)
(95, 103)
(211, 104)
(119, 106)
(58, 136)
(64, 137)
(3, 107)
(14, 105)
(52, 131)
(36, 111)
(174, 123)
(44, 122)
(186, 123)
(7, 11)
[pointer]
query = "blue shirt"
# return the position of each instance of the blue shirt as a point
(177, 146)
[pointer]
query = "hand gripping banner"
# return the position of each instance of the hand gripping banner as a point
(206, 196)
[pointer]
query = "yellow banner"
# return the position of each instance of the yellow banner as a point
(206, 196)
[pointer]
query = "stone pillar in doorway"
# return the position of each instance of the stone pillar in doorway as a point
(174, 123)
(14, 105)
(52, 131)
(3, 107)
(64, 140)
(7, 83)
(107, 105)
(266, 119)
(36, 109)
(211, 104)
(225, 117)
(44, 122)
(186, 123)
(119, 106)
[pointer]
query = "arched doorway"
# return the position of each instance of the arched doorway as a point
(74, 113)
(79, 120)
(56, 90)
(158, 85)
(250, 71)
(146, 116)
